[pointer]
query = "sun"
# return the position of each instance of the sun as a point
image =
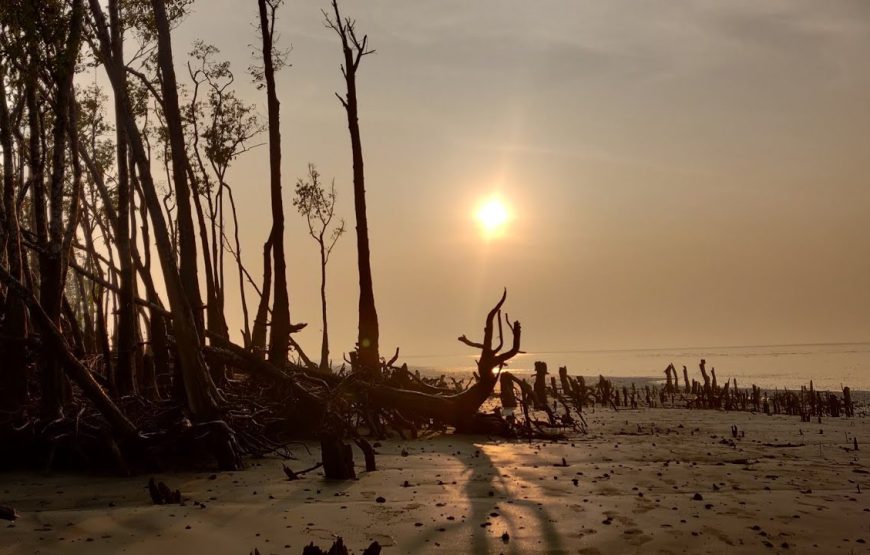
(492, 216)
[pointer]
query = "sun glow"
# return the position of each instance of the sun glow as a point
(492, 216)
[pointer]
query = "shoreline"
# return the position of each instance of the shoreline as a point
(829, 366)
(859, 395)
(862, 394)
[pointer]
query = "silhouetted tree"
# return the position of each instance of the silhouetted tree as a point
(273, 60)
(353, 50)
(13, 379)
(220, 127)
(126, 333)
(55, 231)
(180, 163)
(318, 206)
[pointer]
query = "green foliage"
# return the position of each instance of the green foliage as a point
(36, 32)
(317, 204)
(139, 16)
(229, 123)
(94, 130)
(279, 56)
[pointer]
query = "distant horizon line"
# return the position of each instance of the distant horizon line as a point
(640, 349)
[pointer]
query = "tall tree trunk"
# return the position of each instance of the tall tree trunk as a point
(280, 335)
(126, 343)
(215, 319)
(202, 396)
(52, 268)
(186, 234)
(13, 377)
(157, 334)
(51, 396)
(367, 339)
(144, 382)
(368, 317)
(97, 298)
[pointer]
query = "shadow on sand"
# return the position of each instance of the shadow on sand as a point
(487, 492)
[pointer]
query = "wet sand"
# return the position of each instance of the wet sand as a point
(642, 481)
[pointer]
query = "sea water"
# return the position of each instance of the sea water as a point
(829, 366)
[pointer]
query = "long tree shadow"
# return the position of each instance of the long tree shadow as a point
(487, 491)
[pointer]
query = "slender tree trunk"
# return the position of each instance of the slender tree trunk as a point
(368, 316)
(215, 320)
(144, 382)
(90, 337)
(324, 344)
(13, 377)
(280, 335)
(258, 334)
(98, 300)
(148, 371)
(219, 256)
(74, 328)
(126, 343)
(367, 339)
(52, 263)
(48, 371)
(157, 334)
(186, 234)
(246, 330)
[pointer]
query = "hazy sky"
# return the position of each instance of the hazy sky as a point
(679, 173)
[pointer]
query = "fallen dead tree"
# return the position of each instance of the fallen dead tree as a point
(459, 409)
(414, 399)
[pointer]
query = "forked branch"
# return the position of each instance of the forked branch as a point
(492, 357)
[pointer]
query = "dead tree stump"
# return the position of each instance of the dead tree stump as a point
(507, 396)
(337, 458)
(368, 453)
(567, 390)
(669, 387)
(541, 385)
(708, 389)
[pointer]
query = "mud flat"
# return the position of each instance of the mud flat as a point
(642, 481)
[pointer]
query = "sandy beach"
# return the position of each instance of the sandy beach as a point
(641, 481)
